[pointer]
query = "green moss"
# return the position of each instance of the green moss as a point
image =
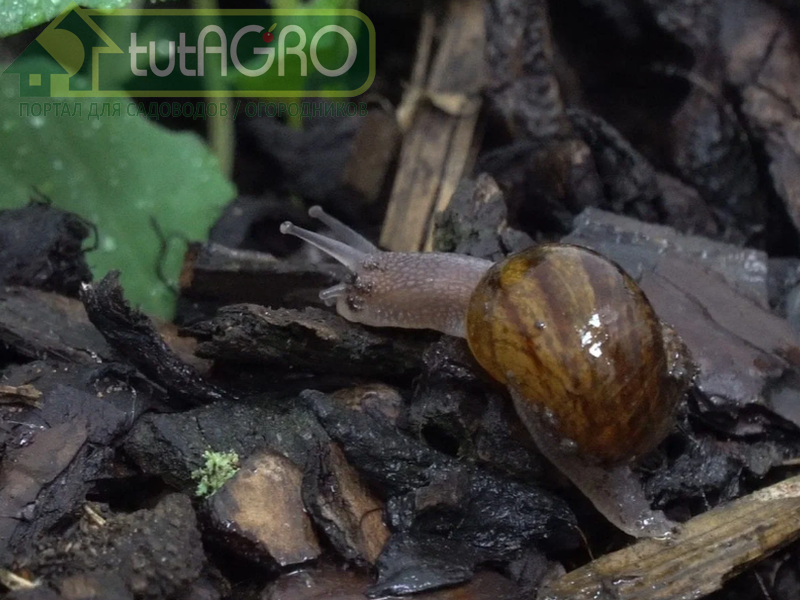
(219, 467)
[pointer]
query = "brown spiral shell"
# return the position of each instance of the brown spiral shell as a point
(583, 346)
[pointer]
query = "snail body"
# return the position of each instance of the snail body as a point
(593, 374)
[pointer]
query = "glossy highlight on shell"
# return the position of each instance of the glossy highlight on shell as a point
(583, 346)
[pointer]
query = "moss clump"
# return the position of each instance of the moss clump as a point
(219, 467)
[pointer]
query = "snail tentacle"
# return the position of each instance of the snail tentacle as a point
(342, 232)
(347, 255)
(331, 295)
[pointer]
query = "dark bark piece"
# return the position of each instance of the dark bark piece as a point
(739, 347)
(762, 61)
(36, 324)
(62, 403)
(457, 409)
(710, 148)
(110, 396)
(27, 471)
(522, 85)
(214, 275)
(632, 185)
(629, 180)
(546, 165)
(258, 513)
(341, 505)
(157, 552)
(707, 471)
(712, 152)
(412, 564)
(42, 247)
(133, 336)
(546, 183)
(309, 340)
(102, 404)
(395, 463)
(684, 208)
(44, 488)
(487, 512)
(171, 445)
(476, 222)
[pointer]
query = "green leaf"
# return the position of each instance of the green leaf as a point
(120, 173)
(18, 15)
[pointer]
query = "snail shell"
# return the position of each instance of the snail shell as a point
(583, 346)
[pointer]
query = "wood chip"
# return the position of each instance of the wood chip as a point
(38, 325)
(335, 494)
(15, 582)
(260, 511)
(23, 394)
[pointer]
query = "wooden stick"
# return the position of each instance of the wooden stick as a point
(436, 148)
(707, 550)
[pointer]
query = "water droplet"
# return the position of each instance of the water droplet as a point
(568, 445)
(108, 244)
(36, 122)
(58, 164)
(144, 204)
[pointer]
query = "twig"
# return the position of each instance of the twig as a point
(698, 559)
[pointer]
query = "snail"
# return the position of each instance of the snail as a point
(593, 373)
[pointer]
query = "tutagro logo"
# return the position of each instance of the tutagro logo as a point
(207, 53)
